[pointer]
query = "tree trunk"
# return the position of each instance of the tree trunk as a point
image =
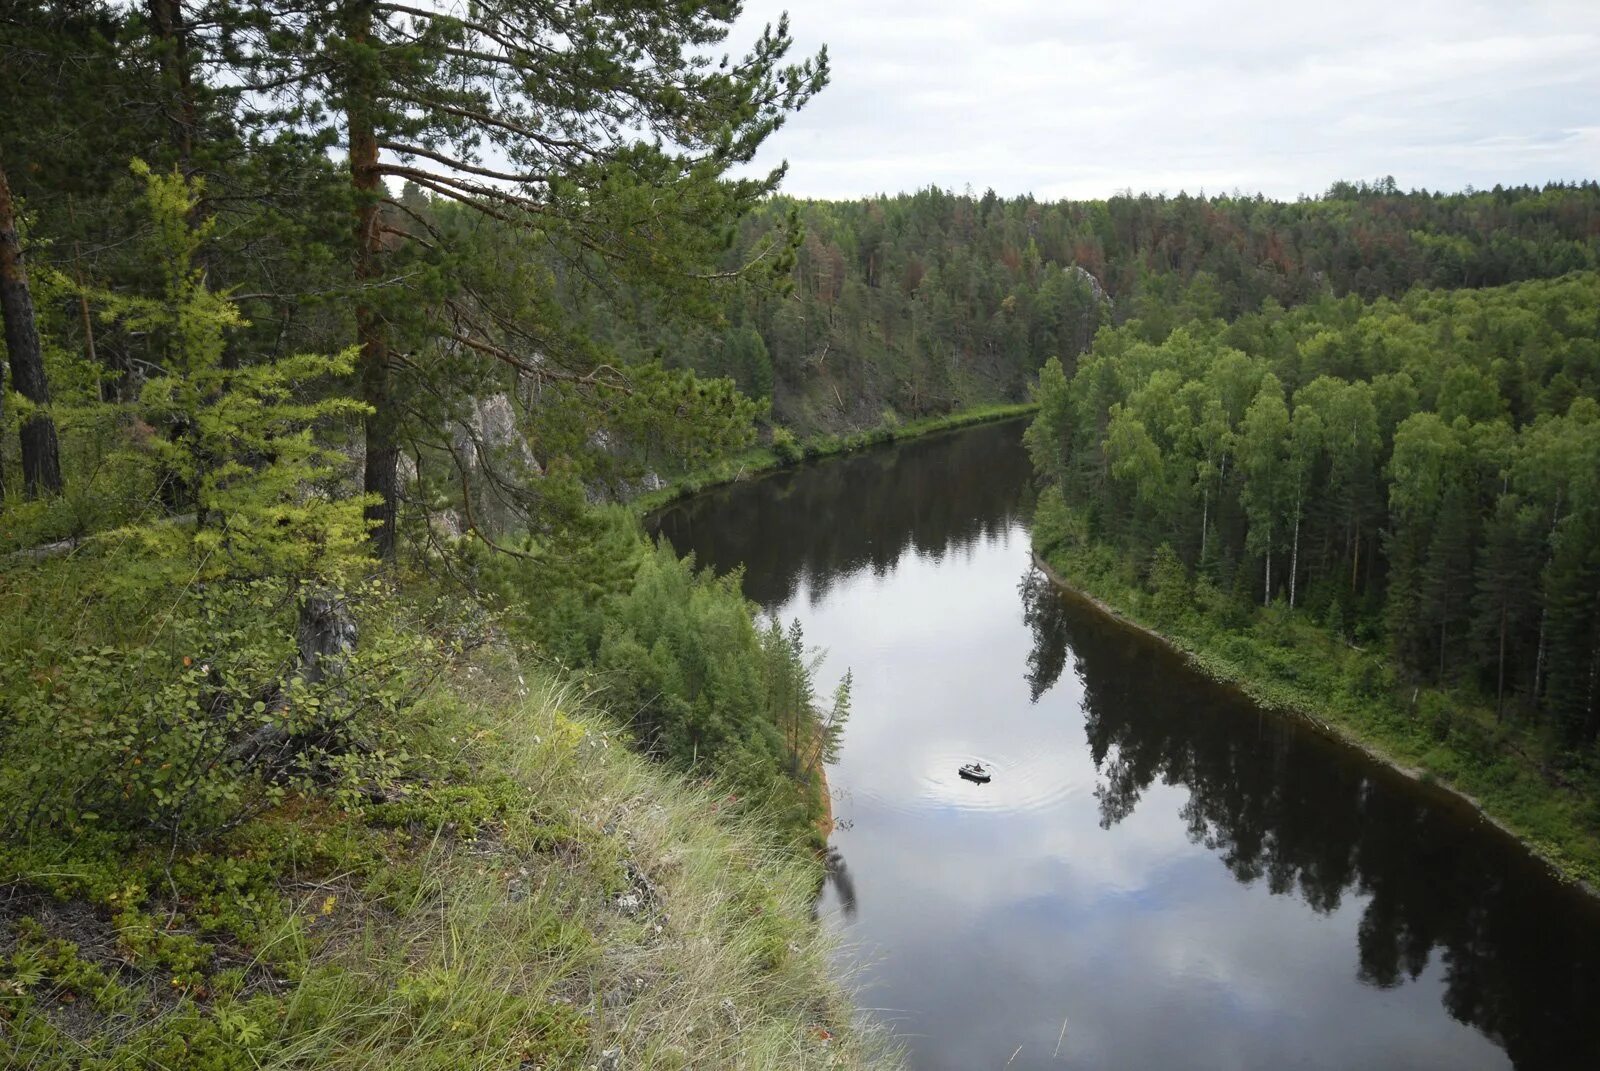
(327, 635)
(1294, 556)
(381, 477)
(166, 17)
(41, 455)
(1592, 702)
(1355, 558)
(1205, 518)
(1538, 658)
(1444, 633)
(1266, 600)
(1544, 609)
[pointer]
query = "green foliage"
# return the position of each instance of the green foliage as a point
(234, 446)
(933, 301)
(1391, 468)
(785, 447)
(710, 689)
(1412, 492)
(444, 928)
(194, 722)
(1170, 587)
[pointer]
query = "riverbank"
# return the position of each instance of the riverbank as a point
(785, 451)
(1292, 667)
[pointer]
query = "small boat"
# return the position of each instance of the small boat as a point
(974, 771)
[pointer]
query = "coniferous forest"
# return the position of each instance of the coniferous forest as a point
(349, 717)
(922, 303)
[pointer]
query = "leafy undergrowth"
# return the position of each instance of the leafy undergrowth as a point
(1286, 661)
(786, 450)
(541, 897)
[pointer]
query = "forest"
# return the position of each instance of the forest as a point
(1421, 473)
(919, 304)
(237, 358)
(345, 716)
(1382, 512)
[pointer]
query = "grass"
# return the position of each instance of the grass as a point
(1287, 662)
(550, 899)
(787, 451)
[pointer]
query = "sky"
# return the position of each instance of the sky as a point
(1068, 99)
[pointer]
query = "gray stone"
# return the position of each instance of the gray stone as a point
(492, 426)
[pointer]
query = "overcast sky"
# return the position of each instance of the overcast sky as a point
(1073, 99)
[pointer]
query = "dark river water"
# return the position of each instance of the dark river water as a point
(1159, 876)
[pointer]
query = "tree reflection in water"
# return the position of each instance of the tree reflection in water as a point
(1275, 803)
(838, 877)
(1280, 804)
(929, 495)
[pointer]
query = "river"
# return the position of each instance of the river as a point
(1160, 875)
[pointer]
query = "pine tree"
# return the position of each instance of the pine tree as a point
(1507, 587)
(605, 134)
(1447, 572)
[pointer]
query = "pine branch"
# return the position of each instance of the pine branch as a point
(405, 149)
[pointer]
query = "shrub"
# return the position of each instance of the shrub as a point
(1169, 585)
(204, 720)
(785, 446)
(708, 687)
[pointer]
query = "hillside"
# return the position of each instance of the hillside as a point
(510, 886)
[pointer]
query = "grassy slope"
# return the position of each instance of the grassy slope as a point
(1289, 663)
(760, 459)
(556, 897)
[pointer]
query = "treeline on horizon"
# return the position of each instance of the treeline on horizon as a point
(1420, 474)
(921, 303)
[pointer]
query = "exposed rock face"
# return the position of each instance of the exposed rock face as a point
(1077, 271)
(492, 427)
(486, 436)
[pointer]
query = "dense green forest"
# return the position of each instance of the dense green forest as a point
(1416, 477)
(328, 684)
(920, 304)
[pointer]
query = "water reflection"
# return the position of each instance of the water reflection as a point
(1280, 806)
(860, 513)
(838, 883)
(1076, 906)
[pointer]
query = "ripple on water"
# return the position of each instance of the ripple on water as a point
(1025, 784)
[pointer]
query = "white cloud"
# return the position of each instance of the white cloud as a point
(1082, 100)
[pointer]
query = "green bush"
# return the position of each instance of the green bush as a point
(786, 446)
(196, 723)
(708, 687)
(1172, 595)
